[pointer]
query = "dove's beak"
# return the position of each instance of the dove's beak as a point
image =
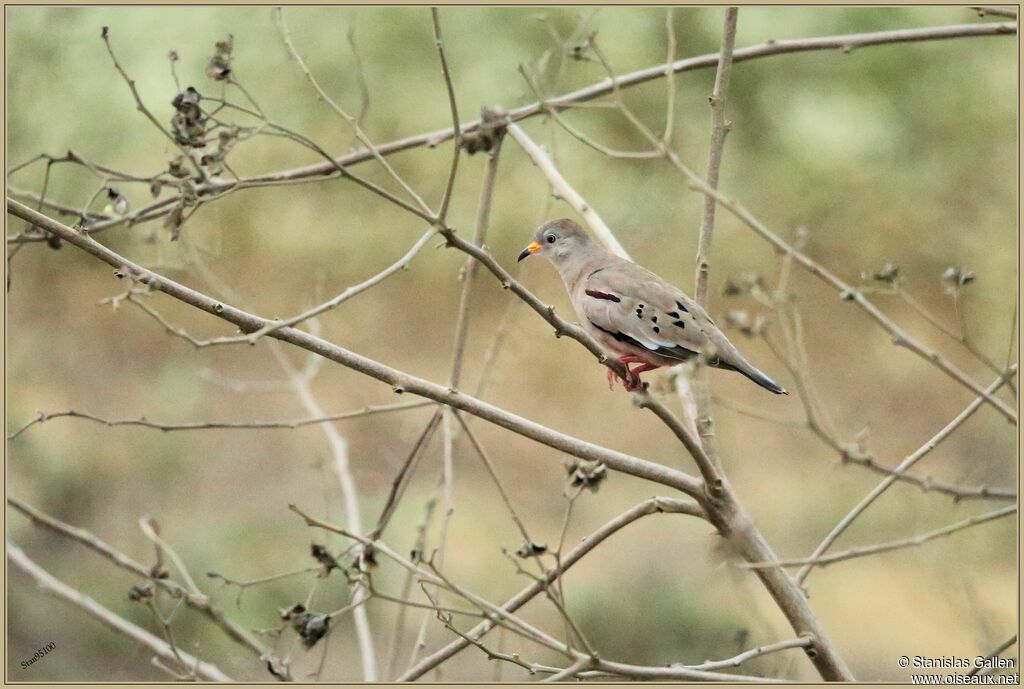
(532, 249)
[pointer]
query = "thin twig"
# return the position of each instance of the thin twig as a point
(399, 265)
(670, 81)
(737, 660)
(469, 269)
(913, 541)
(719, 130)
(141, 107)
(352, 122)
(350, 498)
(143, 422)
(152, 532)
(442, 214)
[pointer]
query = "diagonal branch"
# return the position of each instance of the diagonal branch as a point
(400, 381)
(565, 191)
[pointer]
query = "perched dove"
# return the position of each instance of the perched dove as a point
(632, 312)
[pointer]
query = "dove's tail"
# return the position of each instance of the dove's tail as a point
(764, 381)
(755, 375)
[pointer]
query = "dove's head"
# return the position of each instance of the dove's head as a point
(558, 241)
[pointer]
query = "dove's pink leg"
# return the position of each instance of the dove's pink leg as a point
(635, 373)
(632, 381)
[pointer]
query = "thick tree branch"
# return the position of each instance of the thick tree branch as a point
(400, 382)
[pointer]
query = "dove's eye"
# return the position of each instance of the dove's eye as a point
(550, 238)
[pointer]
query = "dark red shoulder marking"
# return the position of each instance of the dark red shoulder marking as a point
(602, 295)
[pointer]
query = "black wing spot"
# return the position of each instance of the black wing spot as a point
(677, 352)
(657, 329)
(620, 337)
(679, 324)
(682, 308)
(602, 295)
(654, 319)
(672, 314)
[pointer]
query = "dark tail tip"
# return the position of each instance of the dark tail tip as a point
(764, 381)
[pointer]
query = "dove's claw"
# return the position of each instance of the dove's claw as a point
(631, 382)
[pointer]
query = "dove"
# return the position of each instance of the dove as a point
(632, 312)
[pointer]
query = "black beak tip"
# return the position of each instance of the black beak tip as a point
(526, 252)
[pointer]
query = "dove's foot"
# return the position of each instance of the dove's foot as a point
(632, 381)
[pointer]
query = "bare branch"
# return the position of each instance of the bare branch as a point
(351, 121)
(929, 484)
(567, 193)
(350, 498)
(399, 381)
(141, 107)
(143, 422)
(399, 265)
(670, 80)
(914, 541)
(200, 603)
(47, 583)
(648, 507)
(442, 214)
(469, 269)
(152, 532)
(850, 453)
(737, 660)
(320, 171)
(701, 392)
(719, 129)
(912, 459)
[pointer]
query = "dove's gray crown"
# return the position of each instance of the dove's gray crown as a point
(630, 310)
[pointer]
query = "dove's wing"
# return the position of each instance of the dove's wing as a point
(635, 305)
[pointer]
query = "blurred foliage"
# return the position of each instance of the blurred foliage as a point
(897, 154)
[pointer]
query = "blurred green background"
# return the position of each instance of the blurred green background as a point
(903, 153)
